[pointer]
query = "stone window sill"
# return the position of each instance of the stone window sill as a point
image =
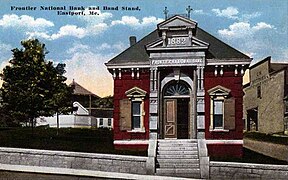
(137, 131)
(219, 130)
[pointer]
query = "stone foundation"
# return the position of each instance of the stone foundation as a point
(229, 170)
(74, 160)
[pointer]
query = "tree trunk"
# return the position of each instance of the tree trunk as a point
(57, 133)
(32, 125)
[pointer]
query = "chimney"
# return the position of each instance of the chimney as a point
(132, 40)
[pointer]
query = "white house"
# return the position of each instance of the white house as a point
(78, 119)
(104, 117)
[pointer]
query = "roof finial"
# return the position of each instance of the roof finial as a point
(166, 13)
(188, 9)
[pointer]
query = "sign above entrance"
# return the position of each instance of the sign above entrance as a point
(171, 62)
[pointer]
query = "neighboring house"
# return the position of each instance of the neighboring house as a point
(78, 119)
(266, 98)
(179, 82)
(83, 96)
(104, 117)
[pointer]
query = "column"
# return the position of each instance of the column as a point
(153, 106)
(193, 103)
(200, 120)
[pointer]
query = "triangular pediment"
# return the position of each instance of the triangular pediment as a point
(219, 91)
(135, 92)
(177, 21)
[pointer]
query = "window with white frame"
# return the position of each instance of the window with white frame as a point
(218, 114)
(136, 114)
(109, 122)
(132, 110)
(222, 109)
(101, 122)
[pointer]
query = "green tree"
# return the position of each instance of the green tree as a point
(105, 102)
(33, 87)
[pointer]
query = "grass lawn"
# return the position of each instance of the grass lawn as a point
(69, 139)
(92, 141)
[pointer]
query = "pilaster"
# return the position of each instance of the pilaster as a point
(153, 108)
(200, 121)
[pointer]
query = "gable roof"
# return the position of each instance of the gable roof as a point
(102, 112)
(136, 54)
(80, 90)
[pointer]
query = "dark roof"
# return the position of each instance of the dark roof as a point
(80, 90)
(273, 65)
(217, 48)
(260, 62)
(137, 52)
(278, 66)
(102, 112)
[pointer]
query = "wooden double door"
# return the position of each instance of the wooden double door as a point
(176, 118)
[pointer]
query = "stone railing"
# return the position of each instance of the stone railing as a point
(203, 158)
(229, 170)
(151, 161)
(74, 160)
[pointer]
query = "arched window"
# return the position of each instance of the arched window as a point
(176, 89)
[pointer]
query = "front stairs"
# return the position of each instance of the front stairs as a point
(178, 158)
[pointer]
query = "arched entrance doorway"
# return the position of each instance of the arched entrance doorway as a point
(176, 104)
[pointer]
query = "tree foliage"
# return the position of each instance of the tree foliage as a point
(105, 102)
(33, 87)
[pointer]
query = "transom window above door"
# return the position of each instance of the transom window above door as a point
(176, 89)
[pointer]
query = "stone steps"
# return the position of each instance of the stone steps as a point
(177, 148)
(164, 152)
(178, 145)
(175, 161)
(177, 141)
(178, 165)
(178, 158)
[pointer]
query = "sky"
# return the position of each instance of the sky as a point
(84, 41)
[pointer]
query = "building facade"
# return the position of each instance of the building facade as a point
(266, 100)
(78, 119)
(104, 117)
(86, 98)
(179, 82)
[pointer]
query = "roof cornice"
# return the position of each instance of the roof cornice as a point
(128, 65)
(232, 61)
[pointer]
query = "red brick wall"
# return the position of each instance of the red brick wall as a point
(120, 87)
(134, 147)
(225, 150)
(234, 83)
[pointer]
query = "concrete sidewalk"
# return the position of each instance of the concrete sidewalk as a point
(49, 172)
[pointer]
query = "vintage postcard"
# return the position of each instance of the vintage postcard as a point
(180, 83)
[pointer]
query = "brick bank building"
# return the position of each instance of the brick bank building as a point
(179, 82)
